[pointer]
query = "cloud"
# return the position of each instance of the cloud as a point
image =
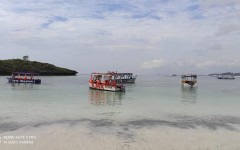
(201, 34)
(209, 63)
(228, 28)
(155, 63)
(52, 20)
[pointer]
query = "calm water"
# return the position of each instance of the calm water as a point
(153, 103)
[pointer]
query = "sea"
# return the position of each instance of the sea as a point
(155, 113)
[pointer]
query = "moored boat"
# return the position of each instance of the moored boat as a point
(123, 77)
(190, 80)
(23, 77)
(231, 77)
(172, 75)
(105, 81)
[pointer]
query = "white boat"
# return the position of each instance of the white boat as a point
(123, 77)
(230, 77)
(105, 81)
(172, 75)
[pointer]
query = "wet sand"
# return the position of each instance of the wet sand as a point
(107, 135)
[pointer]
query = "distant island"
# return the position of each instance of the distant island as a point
(25, 65)
(225, 73)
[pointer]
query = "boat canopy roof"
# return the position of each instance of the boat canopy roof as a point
(112, 73)
(120, 73)
(101, 74)
(25, 73)
(191, 76)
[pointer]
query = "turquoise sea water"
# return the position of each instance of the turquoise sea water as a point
(154, 101)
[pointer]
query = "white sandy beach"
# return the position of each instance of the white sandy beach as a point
(65, 137)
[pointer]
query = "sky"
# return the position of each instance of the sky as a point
(139, 36)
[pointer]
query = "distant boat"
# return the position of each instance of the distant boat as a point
(230, 77)
(106, 82)
(23, 77)
(172, 75)
(189, 80)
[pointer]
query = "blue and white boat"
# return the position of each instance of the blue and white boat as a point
(24, 77)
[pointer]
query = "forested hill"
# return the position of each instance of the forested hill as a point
(18, 65)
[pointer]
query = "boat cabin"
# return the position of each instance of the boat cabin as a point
(24, 77)
(123, 77)
(189, 79)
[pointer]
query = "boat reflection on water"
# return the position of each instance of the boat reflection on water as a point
(18, 86)
(189, 95)
(98, 97)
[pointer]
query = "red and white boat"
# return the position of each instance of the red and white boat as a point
(105, 81)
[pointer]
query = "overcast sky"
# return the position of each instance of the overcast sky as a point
(139, 36)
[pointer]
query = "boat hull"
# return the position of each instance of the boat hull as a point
(192, 84)
(127, 80)
(106, 87)
(32, 81)
(226, 78)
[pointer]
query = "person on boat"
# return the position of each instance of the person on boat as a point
(114, 83)
(19, 78)
(104, 83)
(25, 77)
(91, 80)
(98, 83)
(13, 76)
